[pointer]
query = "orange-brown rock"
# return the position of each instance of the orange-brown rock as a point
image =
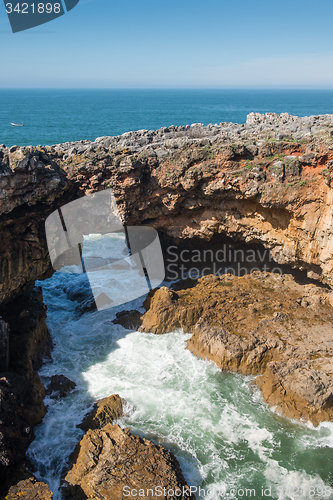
(29, 489)
(164, 315)
(105, 411)
(268, 326)
(250, 189)
(231, 180)
(112, 463)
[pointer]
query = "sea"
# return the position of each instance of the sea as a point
(55, 116)
(228, 441)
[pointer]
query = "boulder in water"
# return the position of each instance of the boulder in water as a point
(60, 386)
(105, 411)
(113, 464)
(267, 325)
(131, 320)
(29, 489)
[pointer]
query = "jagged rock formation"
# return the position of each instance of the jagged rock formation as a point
(21, 391)
(112, 463)
(269, 326)
(131, 320)
(105, 411)
(59, 386)
(253, 189)
(31, 180)
(244, 181)
(267, 181)
(29, 489)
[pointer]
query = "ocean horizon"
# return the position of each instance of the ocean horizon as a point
(53, 116)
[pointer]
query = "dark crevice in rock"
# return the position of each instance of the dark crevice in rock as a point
(224, 254)
(59, 386)
(21, 390)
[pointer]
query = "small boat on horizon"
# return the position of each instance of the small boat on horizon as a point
(17, 124)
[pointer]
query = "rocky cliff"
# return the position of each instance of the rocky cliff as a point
(266, 182)
(21, 390)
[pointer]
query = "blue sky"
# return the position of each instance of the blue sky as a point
(183, 43)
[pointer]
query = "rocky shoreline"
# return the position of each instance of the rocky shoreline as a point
(109, 463)
(266, 182)
(269, 326)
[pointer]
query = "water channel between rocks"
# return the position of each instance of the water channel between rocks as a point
(227, 440)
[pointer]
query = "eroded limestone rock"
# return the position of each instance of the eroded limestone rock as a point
(29, 489)
(105, 411)
(188, 182)
(269, 326)
(111, 461)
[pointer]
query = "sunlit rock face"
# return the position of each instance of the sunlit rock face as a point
(270, 326)
(265, 181)
(110, 459)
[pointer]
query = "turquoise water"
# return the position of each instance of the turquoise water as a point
(227, 440)
(54, 116)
